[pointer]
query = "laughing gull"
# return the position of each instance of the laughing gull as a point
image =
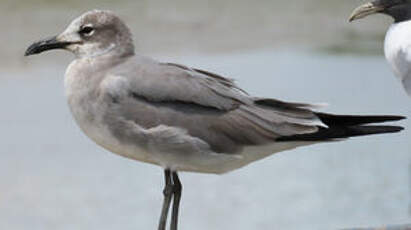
(177, 117)
(397, 44)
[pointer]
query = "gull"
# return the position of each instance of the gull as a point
(397, 44)
(177, 117)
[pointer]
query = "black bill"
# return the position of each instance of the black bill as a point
(44, 45)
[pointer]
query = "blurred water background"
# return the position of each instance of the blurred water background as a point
(53, 177)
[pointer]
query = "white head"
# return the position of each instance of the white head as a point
(92, 34)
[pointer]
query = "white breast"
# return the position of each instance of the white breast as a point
(397, 49)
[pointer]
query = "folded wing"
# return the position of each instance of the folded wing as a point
(207, 106)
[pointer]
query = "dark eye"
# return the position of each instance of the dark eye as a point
(86, 30)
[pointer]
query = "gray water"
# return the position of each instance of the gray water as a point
(53, 177)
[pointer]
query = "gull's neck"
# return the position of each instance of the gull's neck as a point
(113, 50)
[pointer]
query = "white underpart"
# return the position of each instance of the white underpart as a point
(397, 49)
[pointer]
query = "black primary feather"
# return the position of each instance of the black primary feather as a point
(344, 126)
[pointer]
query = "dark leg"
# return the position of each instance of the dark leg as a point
(168, 192)
(177, 188)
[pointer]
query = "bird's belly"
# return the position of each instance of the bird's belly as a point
(218, 163)
(215, 163)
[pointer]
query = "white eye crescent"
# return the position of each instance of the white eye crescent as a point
(87, 30)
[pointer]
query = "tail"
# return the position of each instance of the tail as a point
(344, 126)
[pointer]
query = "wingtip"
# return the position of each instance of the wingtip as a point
(388, 129)
(396, 118)
(402, 117)
(398, 129)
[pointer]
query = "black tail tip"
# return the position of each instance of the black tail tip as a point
(396, 129)
(397, 118)
(369, 129)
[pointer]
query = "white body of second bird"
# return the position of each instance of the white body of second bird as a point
(397, 49)
(397, 45)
